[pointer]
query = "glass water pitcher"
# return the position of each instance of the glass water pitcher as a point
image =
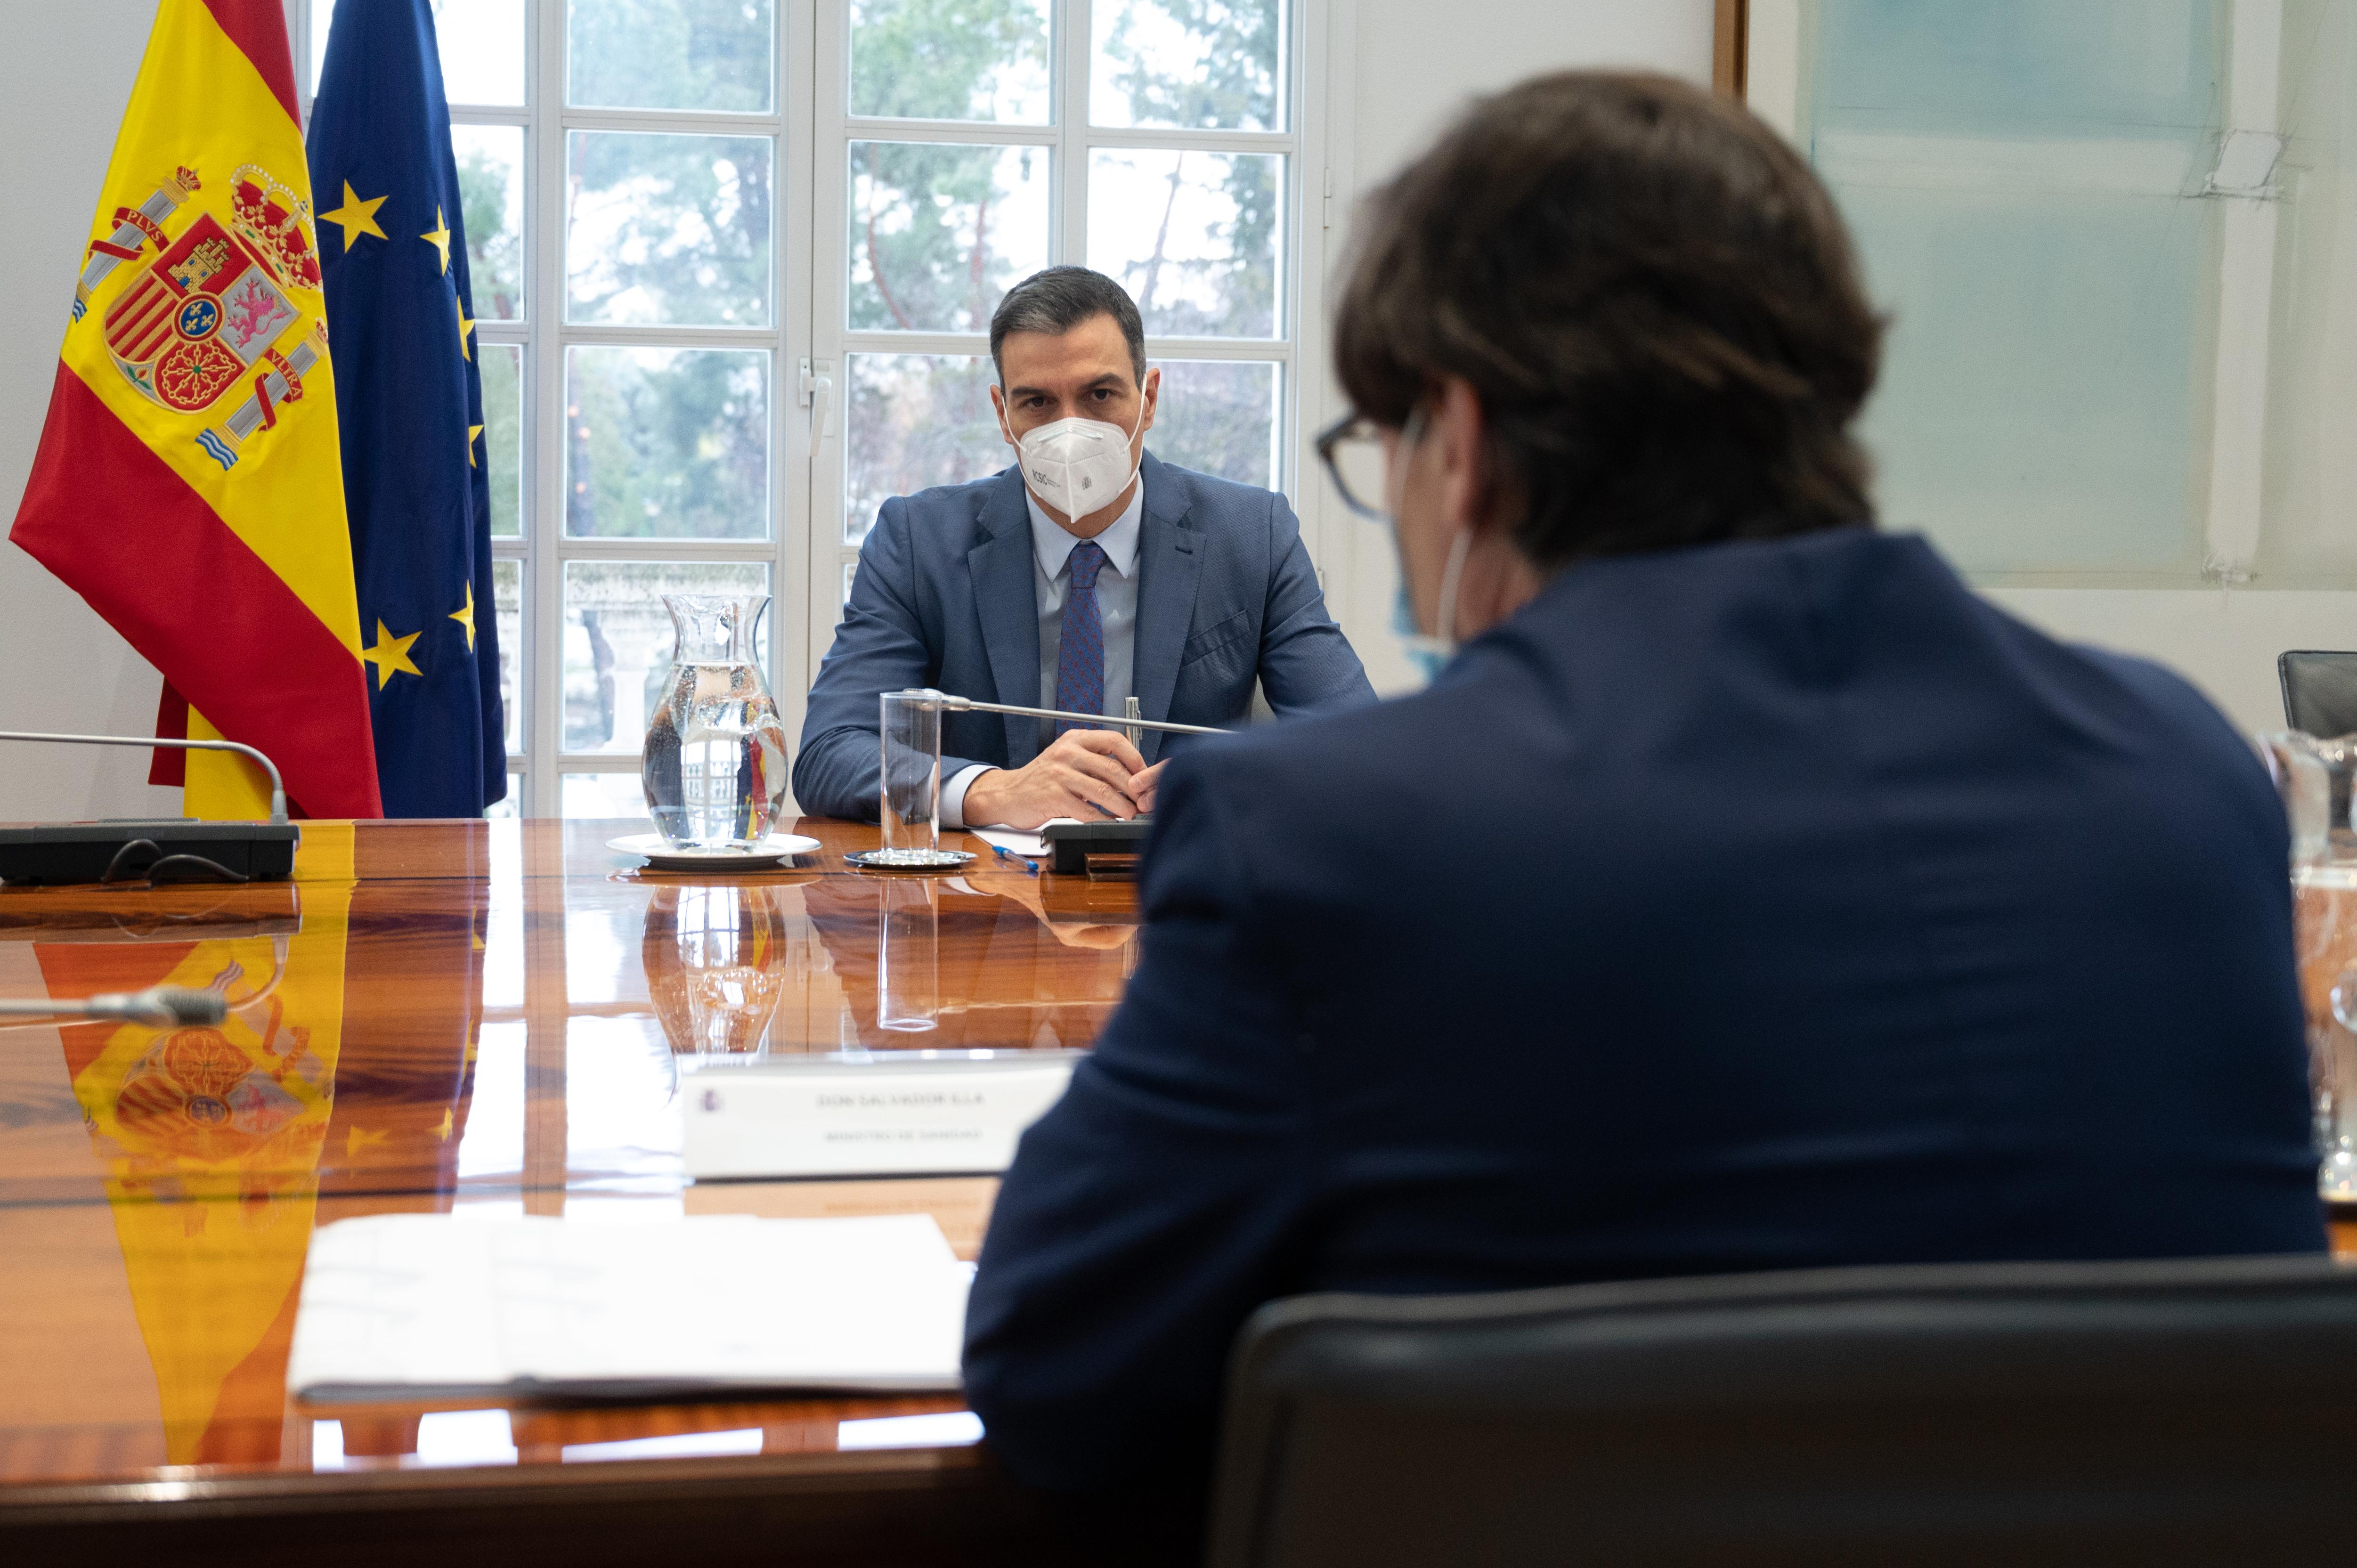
(715, 763)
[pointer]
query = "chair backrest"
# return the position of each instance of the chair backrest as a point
(2319, 691)
(2165, 1413)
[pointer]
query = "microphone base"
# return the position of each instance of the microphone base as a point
(61, 853)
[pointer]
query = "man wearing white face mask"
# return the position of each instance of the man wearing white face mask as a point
(1088, 574)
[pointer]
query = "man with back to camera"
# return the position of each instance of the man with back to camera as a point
(1745, 894)
(1088, 572)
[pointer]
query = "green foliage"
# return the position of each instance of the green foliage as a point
(503, 438)
(924, 254)
(1232, 84)
(494, 250)
(671, 54)
(942, 60)
(667, 444)
(674, 229)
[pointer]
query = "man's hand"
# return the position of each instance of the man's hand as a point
(1141, 788)
(1090, 774)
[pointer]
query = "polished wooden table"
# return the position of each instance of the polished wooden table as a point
(475, 1018)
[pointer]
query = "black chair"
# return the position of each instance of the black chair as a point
(2319, 691)
(2072, 1414)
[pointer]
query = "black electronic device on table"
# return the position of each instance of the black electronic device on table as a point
(168, 848)
(1096, 849)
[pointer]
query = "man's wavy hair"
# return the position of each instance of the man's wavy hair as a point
(1651, 296)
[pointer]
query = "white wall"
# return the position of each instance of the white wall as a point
(64, 77)
(1402, 70)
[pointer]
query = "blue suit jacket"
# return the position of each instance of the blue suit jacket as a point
(1757, 906)
(945, 597)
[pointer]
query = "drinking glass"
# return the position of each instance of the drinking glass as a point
(910, 783)
(908, 954)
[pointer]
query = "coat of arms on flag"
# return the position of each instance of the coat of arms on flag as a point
(214, 304)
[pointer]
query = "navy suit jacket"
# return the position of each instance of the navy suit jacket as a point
(1756, 905)
(945, 596)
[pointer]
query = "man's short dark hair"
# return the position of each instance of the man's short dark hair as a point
(1654, 300)
(1059, 298)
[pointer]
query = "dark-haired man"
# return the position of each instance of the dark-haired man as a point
(1087, 574)
(1769, 900)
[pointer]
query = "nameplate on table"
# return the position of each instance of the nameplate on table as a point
(929, 1116)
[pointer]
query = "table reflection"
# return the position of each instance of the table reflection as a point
(979, 960)
(337, 1083)
(718, 960)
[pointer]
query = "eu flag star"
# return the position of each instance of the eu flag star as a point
(356, 217)
(465, 326)
(472, 432)
(391, 654)
(466, 617)
(439, 237)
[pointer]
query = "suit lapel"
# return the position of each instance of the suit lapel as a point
(1008, 602)
(1168, 570)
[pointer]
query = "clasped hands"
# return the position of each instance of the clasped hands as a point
(1089, 774)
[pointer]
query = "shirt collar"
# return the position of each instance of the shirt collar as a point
(1051, 546)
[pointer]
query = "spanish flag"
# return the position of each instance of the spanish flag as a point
(188, 483)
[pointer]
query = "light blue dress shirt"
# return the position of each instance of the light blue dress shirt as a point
(1051, 579)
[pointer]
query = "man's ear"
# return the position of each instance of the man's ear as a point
(998, 407)
(1461, 428)
(1153, 398)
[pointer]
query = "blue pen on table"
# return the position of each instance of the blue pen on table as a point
(1028, 869)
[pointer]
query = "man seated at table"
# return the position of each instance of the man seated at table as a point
(1088, 572)
(1746, 894)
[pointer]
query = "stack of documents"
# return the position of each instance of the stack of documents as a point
(433, 1306)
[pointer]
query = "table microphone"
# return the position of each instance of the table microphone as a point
(160, 849)
(159, 1007)
(955, 704)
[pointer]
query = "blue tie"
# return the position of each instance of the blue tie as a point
(1080, 646)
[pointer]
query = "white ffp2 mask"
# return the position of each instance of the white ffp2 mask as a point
(1079, 466)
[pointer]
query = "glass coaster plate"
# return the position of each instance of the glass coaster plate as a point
(910, 859)
(660, 855)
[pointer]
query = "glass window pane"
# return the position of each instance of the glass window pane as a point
(915, 421)
(667, 443)
(512, 804)
(1217, 417)
(481, 44)
(671, 54)
(950, 59)
(669, 228)
(939, 231)
(2024, 193)
(507, 603)
(1192, 236)
(619, 642)
(490, 191)
(1195, 64)
(603, 795)
(500, 444)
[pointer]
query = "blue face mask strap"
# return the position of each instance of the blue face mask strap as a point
(1428, 654)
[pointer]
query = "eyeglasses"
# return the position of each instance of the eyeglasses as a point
(1356, 442)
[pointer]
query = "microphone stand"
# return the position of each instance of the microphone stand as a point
(967, 705)
(160, 1006)
(278, 786)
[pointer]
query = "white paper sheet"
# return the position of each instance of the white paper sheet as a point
(404, 1302)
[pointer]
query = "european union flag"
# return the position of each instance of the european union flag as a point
(409, 397)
